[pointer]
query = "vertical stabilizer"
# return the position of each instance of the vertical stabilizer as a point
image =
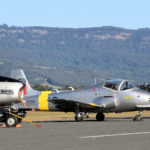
(19, 75)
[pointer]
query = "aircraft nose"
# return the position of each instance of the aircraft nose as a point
(148, 96)
(144, 95)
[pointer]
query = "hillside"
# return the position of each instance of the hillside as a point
(61, 56)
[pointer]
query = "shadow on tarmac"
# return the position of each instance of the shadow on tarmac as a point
(108, 119)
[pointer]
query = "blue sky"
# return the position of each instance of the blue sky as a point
(132, 14)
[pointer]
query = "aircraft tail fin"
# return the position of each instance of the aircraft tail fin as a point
(19, 75)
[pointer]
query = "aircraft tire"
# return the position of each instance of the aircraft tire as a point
(11, 121)
(79, 117)
(138, 118)
(100, 117)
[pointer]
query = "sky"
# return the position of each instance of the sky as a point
(130, 14)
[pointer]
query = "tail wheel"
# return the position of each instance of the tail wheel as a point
(11, 121)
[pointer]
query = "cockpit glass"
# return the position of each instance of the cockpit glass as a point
(126, 85)
(112, 84)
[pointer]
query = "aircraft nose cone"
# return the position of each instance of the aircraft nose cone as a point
(144, 96)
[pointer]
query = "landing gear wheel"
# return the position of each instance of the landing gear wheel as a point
(100, 117)
(79, 117)
(11, 121)
(138, 118)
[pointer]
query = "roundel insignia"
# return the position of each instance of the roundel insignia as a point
(93, 89)
(114, 94)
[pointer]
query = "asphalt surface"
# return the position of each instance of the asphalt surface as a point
(121, 134)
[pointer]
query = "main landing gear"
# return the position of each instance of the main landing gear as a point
(138, 117)
(79, 116)
(100, 116)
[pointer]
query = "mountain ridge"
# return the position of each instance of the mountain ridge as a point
(63, 56)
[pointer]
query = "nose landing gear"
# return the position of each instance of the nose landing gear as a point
(138, 117)
(10, 116)
(11, 121)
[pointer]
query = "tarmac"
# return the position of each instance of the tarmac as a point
(121, 134)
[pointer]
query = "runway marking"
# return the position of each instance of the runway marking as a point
(113, 135)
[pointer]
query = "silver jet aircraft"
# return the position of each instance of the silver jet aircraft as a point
(111, 96)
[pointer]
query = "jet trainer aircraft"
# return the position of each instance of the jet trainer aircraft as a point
(112, 96)
(11, 92)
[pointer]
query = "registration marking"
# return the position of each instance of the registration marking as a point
(113, 135)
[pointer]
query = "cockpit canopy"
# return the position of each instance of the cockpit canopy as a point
(118, 85)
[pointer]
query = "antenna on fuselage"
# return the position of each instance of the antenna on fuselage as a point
(95, 77)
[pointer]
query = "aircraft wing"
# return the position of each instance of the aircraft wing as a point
(98, 104)
(145, 107)
(71, 105)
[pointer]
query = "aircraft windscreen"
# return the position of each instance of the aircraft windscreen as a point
(126, 85)
(112, 84)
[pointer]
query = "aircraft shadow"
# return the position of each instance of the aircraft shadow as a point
(108, 119)
(53, 121)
